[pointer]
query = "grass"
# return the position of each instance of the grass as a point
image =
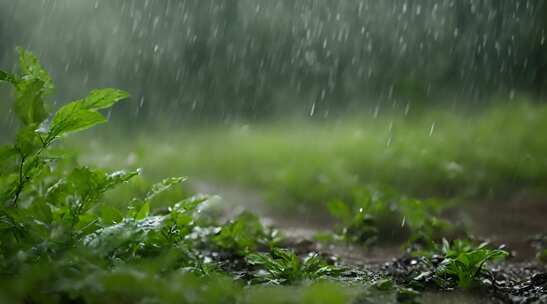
(492, 153)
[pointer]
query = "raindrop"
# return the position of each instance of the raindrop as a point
(312, 110)
(407, 109)
(376, 111)
(388, 142)
(432, 129)
(512, 94)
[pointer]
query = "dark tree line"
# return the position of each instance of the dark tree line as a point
(256, 58)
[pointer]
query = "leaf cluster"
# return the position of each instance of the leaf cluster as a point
(58, 236)
(459, 263)
(283, 266)
(371, 210)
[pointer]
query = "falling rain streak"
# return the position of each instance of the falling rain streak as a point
(253, 59)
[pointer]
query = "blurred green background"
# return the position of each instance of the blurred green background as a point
(305, 101)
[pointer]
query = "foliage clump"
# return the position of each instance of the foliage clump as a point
(372, 214)
(60, 242)
(283, 266)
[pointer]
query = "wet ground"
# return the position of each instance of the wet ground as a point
(511, 223)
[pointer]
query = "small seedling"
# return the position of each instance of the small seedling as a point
(283, 266)
(244, 235)
(465, 262)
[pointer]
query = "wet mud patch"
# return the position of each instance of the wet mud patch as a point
(514, 223)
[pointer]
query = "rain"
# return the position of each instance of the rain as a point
(285, 151)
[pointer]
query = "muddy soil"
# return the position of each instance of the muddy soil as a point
(512, 223)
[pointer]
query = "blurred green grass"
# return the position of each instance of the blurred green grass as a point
(491, 153)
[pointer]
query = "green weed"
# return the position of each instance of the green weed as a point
(465, 262)
(283, 266)
(372, 213)
(244, 235)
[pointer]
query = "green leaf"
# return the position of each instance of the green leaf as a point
(5, 76)
(34, 84)
(83, 188)
(29, 101)
(83, 114)
(340, 210)
(241, 235)
(8, 186)
(32, 69)
(8, 155)
(143, 212)
(119, 177)
(71, 118)
(190, 204)
(110, 215)
(27, 141)
(163, 186)
(103, 98)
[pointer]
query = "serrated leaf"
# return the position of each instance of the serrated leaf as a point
(34, 83)
(85, 186)
(71, 118)
(32, 69)
(27, 141)
(29, 101)
(103, 98)
(83, 114)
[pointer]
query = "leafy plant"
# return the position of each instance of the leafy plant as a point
(245, 234)
(283, 266)
(51, 212)
(59, 242)
(465, 262)
(40, 202)
(372, 210)
(359, 219)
